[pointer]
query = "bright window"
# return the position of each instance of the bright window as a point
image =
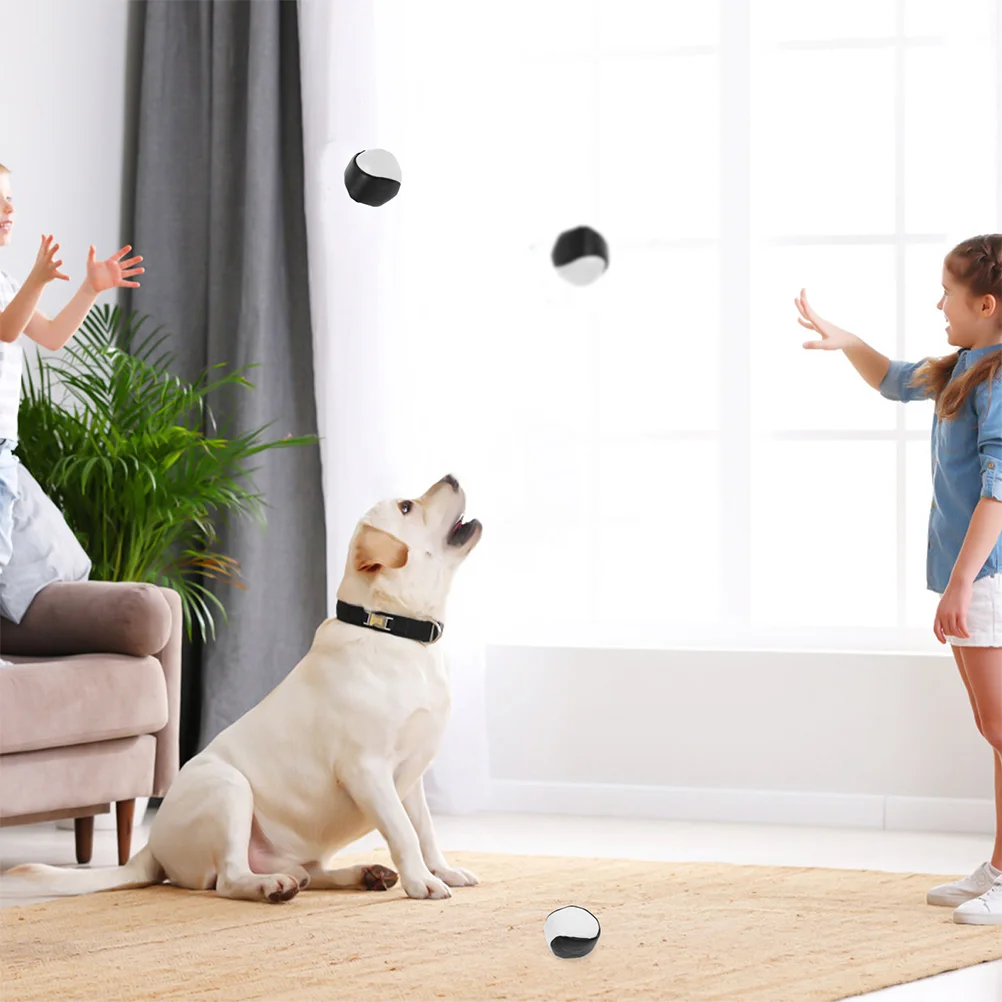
(656, 459)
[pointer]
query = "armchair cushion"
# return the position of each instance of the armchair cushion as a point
(79, 700)
(59, 779)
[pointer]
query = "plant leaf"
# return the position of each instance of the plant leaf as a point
(135, 459)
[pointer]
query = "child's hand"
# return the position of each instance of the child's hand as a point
(112, 273)
(832, 338)
(46, 268)
(951, 616)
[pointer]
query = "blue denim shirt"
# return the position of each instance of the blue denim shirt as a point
(966, 464)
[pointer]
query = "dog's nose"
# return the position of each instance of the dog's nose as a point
(451, 481)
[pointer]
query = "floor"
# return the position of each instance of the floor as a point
(654, 840)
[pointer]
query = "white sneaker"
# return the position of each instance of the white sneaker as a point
(983, 910)
(960, 891)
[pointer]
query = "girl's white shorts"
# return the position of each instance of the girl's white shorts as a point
(984, 618)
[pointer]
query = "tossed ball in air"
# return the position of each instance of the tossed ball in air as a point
(372, 177)
(571, 932)
(580, 255)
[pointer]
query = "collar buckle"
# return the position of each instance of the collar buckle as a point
(378, 621)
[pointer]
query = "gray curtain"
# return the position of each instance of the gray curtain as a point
(217, 210)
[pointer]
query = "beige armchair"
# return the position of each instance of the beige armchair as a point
(89, 708)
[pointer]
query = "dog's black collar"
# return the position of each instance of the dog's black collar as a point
(424, 631)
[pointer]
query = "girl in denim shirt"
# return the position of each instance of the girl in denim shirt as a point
(964, 562)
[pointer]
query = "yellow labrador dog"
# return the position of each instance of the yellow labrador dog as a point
(336, 750)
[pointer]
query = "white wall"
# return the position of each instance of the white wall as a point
(62, 130)
(843, 739)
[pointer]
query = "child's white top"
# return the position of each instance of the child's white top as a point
(11, 364)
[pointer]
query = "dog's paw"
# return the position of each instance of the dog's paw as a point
(456, 876)
(279, 887)
(426, 886)
(378, 878)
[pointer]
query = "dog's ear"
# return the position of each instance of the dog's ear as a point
(375, 549)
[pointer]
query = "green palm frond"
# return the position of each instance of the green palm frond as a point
(136, 461)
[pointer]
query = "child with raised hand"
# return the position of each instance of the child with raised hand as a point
(19, 314)
(964, 563)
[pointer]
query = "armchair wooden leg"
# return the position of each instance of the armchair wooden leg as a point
(83, 830)
(124, 812)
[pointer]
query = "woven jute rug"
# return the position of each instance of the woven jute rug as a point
(687, 931)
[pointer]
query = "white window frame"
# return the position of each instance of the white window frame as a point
(735, 243)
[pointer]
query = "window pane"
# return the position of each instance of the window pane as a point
(643, 26)
(823, 534)
(925, 325)
(659, 147)
(544, 487)
(925, 18)
(920, 603)
(530, 601)
(932, 18)
(659, 359)
(925, 328)
(949, 140)
(543, 144)
(795, 389)
(491, 141)
(823, 141)
(794, 20)
(541, 373)
(549, 400)
(658, 534)
(553, 28)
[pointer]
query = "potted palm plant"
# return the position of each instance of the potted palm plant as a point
(135, 460)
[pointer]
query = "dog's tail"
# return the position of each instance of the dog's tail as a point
(41, 879)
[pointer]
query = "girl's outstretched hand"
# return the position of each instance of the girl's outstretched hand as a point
(832, 338)
(113, 272)
(951, 616)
